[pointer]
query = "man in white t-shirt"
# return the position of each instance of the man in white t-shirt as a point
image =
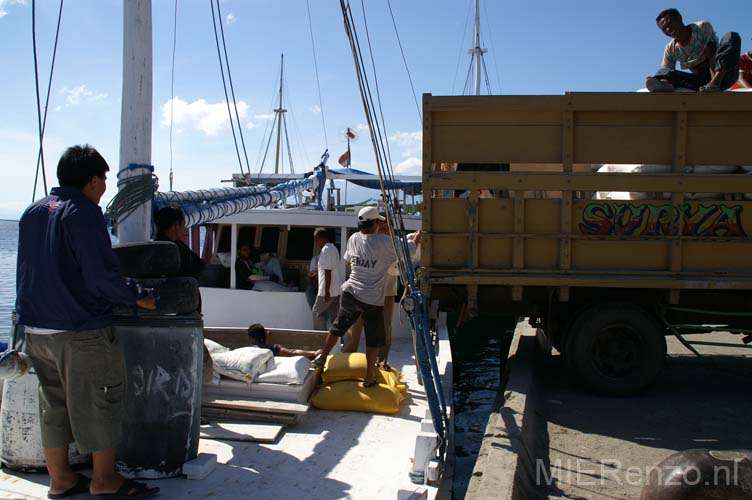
(330, 281)
(370, 256)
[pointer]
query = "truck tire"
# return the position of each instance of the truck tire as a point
(151, 259)
(615, 349)
(178, 295)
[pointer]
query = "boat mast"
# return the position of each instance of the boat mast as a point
(477, 51)
(280, 113)
(135, 114)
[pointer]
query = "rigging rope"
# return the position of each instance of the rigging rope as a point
(232, 89)
(462, 44)
(172, 80)
(43, 121)
(415, 303)
(316, 67)
(224, 85)
(493, 47)
(132, 193)
(404, 60)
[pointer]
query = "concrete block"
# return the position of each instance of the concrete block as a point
(201, 466)
(433, 472)
(425, 450)
(412, 494)
(426, 425)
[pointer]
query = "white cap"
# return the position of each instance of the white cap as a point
(369, 213)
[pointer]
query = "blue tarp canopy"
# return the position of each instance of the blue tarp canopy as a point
(411, 188)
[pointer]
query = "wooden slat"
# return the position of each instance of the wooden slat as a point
(593, 101)
(550, 181)
(249, 416)
(473, 217)
(241, 431)
(567, 153)
(599, 280)
(257, 405)
(677, 199)
(425, 255)
(234, 337)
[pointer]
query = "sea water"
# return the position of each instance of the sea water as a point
(8, 247)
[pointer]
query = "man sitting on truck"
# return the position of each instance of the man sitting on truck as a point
(713, 66)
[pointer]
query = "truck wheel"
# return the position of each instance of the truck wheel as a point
(178, 295)
(615, 349)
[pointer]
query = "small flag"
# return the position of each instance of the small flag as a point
(344, 160)
(350, 133)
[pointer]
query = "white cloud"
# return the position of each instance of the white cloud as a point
(315, 108)
(76, 95)
(231, 18)
(411, 166)
(4, 4)
(58, 108)
(267, 116)
(411, 142)
(362, 128)
(209, 118)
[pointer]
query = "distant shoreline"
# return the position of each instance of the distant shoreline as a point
(8, 220)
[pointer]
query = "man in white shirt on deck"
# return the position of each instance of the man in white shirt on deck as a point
(370, 256)
(330, 281)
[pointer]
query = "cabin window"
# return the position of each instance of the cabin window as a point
(300, 243)
(269, 239)
(246, 236)
(225, 240)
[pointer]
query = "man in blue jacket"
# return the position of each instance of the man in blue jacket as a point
(67, 279)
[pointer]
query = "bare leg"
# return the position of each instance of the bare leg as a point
(329, 343)
(372, 354)
(104, 479)
(62, 476)
(388, 313)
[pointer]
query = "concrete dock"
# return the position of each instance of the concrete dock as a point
(548, 438)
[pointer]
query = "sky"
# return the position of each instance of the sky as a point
(535, 47)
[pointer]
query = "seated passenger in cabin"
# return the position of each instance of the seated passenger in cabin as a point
(713, 66)
(171, 227)
(244, 268)
(257, 336)
(250, 267)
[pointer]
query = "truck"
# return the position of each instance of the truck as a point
(607, 263)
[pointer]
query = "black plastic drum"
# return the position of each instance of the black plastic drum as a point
(163, 357)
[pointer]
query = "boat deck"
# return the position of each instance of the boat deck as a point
(327, 455)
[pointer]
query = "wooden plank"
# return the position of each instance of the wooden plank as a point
(592, 101)
(241, 431)
(518, 249)
(551, 181)
(249, 416)
(473, 217)
(567, 144)
(234, 337)
(257, 405)
(597, 280)
(677, 199)
(426, 243)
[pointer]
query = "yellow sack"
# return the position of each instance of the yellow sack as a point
(352, 366)
(350, 395)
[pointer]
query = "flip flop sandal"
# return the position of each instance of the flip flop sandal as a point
(130, 490)
(81, 486)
